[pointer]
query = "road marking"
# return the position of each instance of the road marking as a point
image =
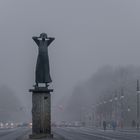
(108, 138)
(91, 134)
(97, 135)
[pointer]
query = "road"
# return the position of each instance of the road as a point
(72, 133)
(13, 134)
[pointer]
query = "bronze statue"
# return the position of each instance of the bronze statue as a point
(42, 74)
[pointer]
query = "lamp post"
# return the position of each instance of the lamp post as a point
(111, 100)
(128, 109)
(104, 111)
(100, 113)
(82, 116)
(116, 107)
(93, 115)
(116, 98)
(122, 114)
(138, 113)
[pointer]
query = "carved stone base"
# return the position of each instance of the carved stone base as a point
(41, 113)
(40, 136)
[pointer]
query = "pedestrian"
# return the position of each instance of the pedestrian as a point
(114, 125)
(133, 124)
(104, 125)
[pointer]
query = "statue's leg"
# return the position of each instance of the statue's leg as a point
(46, 84)
(36, 85)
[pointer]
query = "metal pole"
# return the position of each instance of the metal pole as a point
(122, 108)
(116, 107)
(138, 114)
(93, 116)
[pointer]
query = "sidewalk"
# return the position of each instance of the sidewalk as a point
(132, 130)
(125, 129)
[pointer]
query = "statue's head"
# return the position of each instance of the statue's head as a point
(43, 35)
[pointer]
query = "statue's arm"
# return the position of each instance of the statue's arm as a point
(36, 40)
(51, 39)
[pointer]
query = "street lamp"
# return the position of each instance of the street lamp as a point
(138, 113)
(122, 94)
(116, 98)
(122, 106)
(104, 102)
(128, 109)
(116, 107)
(93, 115)
(110, 100)
(105, 110)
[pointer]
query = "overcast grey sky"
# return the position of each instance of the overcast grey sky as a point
(89, 34)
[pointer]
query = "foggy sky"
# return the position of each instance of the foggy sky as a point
(89, 34)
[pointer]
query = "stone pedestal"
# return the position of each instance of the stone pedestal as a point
(41, 113)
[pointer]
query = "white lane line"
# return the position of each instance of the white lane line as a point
(119, 133)
(104, 137)
(91, 134)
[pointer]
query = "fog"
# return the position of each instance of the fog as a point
(89, 34)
